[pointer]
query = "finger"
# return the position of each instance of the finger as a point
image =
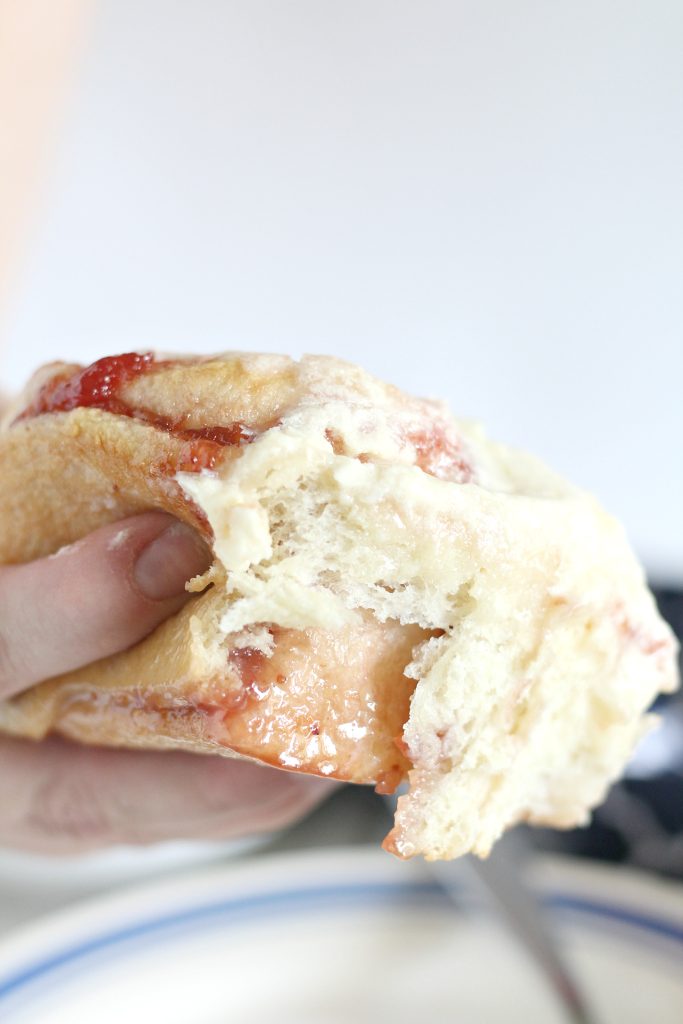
(58, 797)
(94, 598)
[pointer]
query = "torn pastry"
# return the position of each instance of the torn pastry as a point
(394, 597)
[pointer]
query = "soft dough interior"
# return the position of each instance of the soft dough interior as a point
(540, 650)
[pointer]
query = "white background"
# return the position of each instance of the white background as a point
(480, 200)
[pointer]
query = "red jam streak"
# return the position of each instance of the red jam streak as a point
(248, 662)
(435, 454)
(99, 387)
(96, 387)
(440, 456)
(205, 446)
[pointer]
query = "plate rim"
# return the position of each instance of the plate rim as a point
(106, 921)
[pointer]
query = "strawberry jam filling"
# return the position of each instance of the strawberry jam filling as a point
(95, 387)
(327, 704)
(99, 386)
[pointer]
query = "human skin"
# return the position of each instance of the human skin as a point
(97, 597)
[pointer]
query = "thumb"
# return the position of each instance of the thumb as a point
(94, 598)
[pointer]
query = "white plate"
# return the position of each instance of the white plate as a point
(340, 936)
(115, 864)
(33, 885)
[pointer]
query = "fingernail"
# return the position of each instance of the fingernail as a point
(165, 565)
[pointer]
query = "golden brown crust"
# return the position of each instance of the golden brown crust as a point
(253, 390)
(66, 474)
(70, 473)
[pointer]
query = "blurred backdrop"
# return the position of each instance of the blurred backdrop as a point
(476, 200)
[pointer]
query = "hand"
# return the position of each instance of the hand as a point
(97, 597)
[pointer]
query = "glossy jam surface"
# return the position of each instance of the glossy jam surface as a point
(204, 447)
(99, 386)
(96, 387)
(327, 704)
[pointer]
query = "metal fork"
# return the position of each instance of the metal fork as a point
(524, 916)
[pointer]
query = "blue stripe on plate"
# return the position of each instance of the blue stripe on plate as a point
(636, 919)
(286, 901)
(233, 910)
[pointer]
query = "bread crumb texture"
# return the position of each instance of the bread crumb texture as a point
(545, 648)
